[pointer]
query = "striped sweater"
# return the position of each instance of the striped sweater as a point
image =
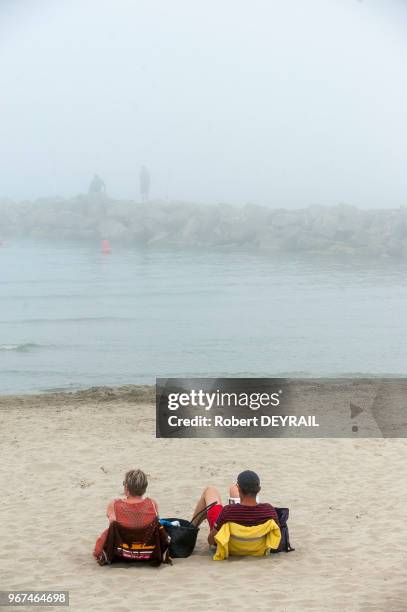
(246, 515)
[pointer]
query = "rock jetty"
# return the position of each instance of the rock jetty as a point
(329, 230)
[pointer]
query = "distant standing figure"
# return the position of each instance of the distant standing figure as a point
(97, 185)
(144, 184)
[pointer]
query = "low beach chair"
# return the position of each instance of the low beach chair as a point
(239, 540)
(150, 543)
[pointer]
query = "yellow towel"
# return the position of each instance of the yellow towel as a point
(235, 539)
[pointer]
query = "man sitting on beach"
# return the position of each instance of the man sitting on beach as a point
(243, 510)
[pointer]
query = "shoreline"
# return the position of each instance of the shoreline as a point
(127, 393)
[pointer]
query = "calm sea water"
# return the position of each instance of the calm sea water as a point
(72, 317)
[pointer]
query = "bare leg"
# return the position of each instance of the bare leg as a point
(234, 492)
(209, 495)
(234, 495)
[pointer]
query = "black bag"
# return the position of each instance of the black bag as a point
(285, 545)
(183, 538)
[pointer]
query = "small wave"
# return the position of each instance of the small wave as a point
(25, 347)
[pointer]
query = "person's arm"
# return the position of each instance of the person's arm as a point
(211, 537)
(110, 511)
(155, 505)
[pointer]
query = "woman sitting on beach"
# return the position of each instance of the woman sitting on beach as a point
(133, 512)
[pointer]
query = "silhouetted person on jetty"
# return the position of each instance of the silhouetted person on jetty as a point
(97, 185)
(144, 184)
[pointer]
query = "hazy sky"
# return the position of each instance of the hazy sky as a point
(277, 102)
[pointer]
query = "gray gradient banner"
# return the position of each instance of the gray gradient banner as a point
(281, 408)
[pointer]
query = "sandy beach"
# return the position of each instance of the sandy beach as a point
(64, 457)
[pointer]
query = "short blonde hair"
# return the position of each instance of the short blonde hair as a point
(135, 482)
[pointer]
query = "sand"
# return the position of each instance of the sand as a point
(63, 458)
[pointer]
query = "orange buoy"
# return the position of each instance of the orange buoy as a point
(106, 248)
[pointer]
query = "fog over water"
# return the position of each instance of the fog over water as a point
(268, 233)
(275, 103)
